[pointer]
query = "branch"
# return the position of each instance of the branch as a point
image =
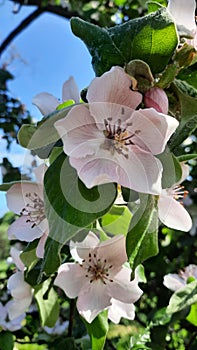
(20, 28)
(63, 12)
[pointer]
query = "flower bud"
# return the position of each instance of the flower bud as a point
(156, 98)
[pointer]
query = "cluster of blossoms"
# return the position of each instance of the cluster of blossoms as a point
(115, 137)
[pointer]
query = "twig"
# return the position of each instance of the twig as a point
(71, 317)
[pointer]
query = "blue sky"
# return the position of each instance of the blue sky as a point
(44, 56)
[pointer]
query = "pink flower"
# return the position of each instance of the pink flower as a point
(109, 141)
(98, 278)
(26, 199)
(20, 290)
(175, 281)
(183, 13)
(171, 211)
(47, 103)
(156, 98)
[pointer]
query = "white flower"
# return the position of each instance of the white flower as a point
(175, 281)
(98, 277)
(26, 199)
(47, 103)
(20, 290)
(171, 211)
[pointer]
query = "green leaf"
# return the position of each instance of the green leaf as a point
(172, 171)
(52, 259)
(28, 256)
(70, 205)
(48, 304)
(44, 134)
(6, 341)
(97, 330)
(183, 298)
(192, 317)
(186, 157)
(152, 39)
(142, 241)
(117, 220)
(188, 122)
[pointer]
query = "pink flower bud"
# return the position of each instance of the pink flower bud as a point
(156, 98)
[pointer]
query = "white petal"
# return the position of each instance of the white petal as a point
(70, 90)
(93, 299)
(183, 12)
(45, 102)
(39, 173)
(113, 250)
(19, 289)
(119, 309)
(153, 129)
(173, 282)
(70, 278)
(80, 250)
(173, 214)
(41, 245)
(122, 288)
(114, 86)
(18, 307)
(22, 230)
(15, 254)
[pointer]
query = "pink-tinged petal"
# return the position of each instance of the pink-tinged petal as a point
(79, 133)
(15, 254)
(122, 288)
(23, 231)
(18, 307)
(114, 251)
(19, 289)
(80, 250)
(141, 171)
(92, 300)
(119, 309)
(70, 278)
(41, 245)
(183, 13)
(173, 214)
(70, 90)
(46, 103)
(152, 129)
(156, 98)
(16, 195)
(114, 86)
(173, 282)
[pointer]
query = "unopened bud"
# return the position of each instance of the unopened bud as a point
(156, 98)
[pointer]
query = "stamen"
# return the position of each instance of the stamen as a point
(96, 269)
(117, 137)
(34, 210)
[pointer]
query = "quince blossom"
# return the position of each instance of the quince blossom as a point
(47, 103)
(99, 278)
(183, 13)
(26, 199)
(109, 141)
(171, 212)
(20, 290)
(175, 281)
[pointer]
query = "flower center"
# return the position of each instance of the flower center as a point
(34, 210)
(118, 138)
(96, 269)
